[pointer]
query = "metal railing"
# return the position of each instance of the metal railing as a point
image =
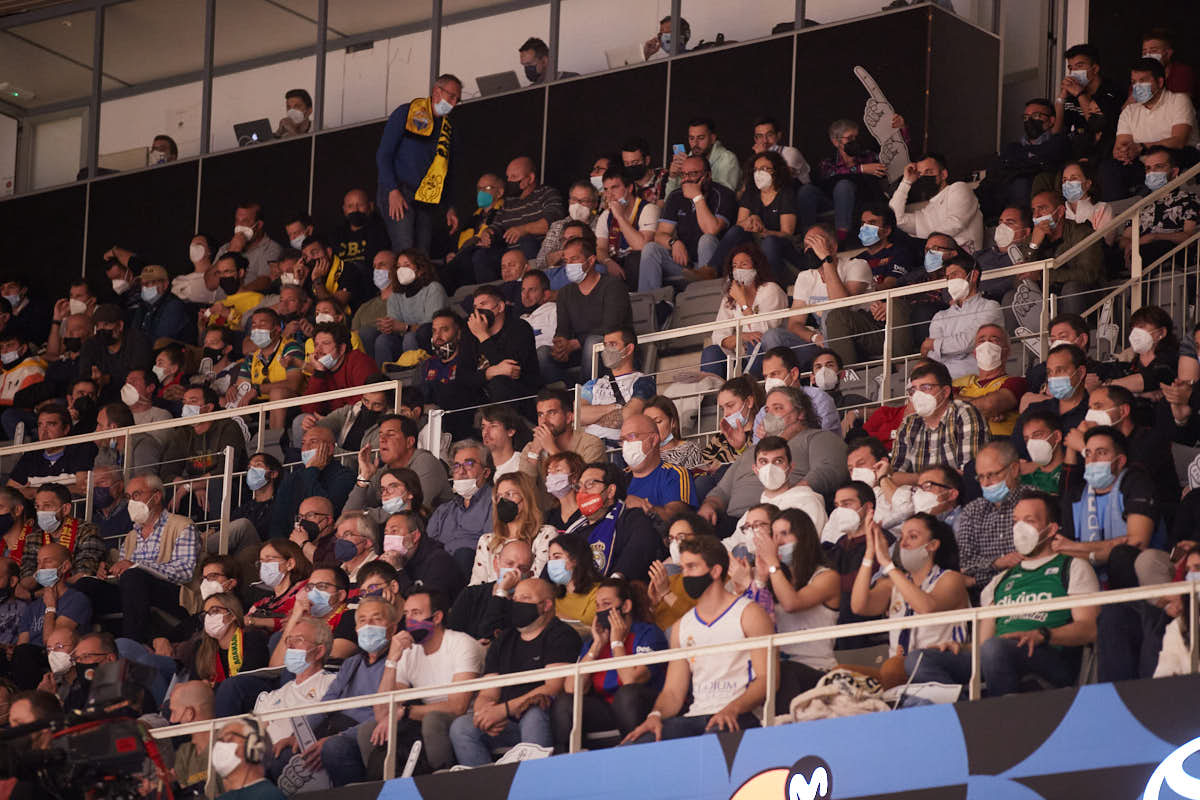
(578, 673)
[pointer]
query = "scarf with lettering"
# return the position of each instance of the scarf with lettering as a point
(421, 122)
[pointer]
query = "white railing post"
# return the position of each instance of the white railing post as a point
(737, 349)
(389, 760)
(772, 683)
(127, 458)
(1194, 621)
(976, 671)
(262, 429)
(576, 405)
(576, 711)
(87, 499)
(1135, 264)
(1044, 318)
(435, 430)
(226, 501)
(885, 387)
(396, 404)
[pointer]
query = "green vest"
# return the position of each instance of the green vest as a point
(1021, 585)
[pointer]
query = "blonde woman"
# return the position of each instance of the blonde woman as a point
(226, 647)
(515, 515)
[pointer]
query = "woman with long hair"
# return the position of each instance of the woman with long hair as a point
(282, 572)
(766, 212)
(561, 479)
(749, 290)
(416, 294)
(515, 515)
(738, 402)
(399, 490)
(226, 646)
(1154, 348)
(572, 569)
(672, 447)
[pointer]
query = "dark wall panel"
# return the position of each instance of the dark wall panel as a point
(152, 212)
(41, 237)
(891, 48)
(275, 175)
(1116, 28)
(732, 87)
(594, 116)
(344, 160)
(963, 101)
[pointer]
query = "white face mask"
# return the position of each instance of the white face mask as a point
(1099, 416)
(209, 588)
(244, 230)
(465, 487)
(924, 403)
(924, 502)
(297, 241)
(1141, 340)
(762, 179)
(864, 474)
(844, 519)
(320, 318)
(197, 252)
(633, 453)
(958, 288)
(60, 662)
(405, 275)
(76, 306)
(1004, 236)
(745, 277)
(915, 559)
(1026, 538)
(771, 476)
(225, 758)
(771, 384)
(288, 279)
(139, 512)
(673, 547)
(579, 212)
(215, 625)
(129, 395)
(825, 378)
(295, 115)
(1059, 343)
(988, 355)
(1041, 452)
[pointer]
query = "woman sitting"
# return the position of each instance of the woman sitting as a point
(415, 296)
(672, 447)
(282, 570)
(572, 570)
(767, 210)
(929, 581)
(1155, 351)
(227, 647)
(1081, 203)
(738, 402)
(668, 600)
(807, 593)
(399, 490)
(749, 290)
(619, 698)
(563, 471)
(515, 515)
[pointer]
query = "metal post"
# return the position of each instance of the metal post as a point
(389, 760)
(576, 404)
(801, 9)
(435, 41)
(1135, 265)
(226, 500)
(772, 679)
(676, 14)
(976, 674)
(318, 117)
(1194, 620)
(737, 349)
(1044, 319)
(127, 459)
(397, 405)
(87, 498)
(435, 430)
(93, 122)
(576, 712)
(885, 388)
(210, 26)
(262, 429)
(555, 21)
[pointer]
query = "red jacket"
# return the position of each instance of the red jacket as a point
(354, 370)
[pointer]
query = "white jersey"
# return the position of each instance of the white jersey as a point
(819, 654)
(926, 635)
(716, 679)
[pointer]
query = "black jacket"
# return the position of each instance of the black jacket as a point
(433, 567)
(479, 613)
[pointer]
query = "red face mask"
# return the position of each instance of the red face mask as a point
(588, 503)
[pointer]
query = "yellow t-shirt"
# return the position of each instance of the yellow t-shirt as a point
(667, 615)
(968, 387)
(577, 606)
(239, 304)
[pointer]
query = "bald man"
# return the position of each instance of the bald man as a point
(655, 486)
(511, 714)
(59, 605)
(356, 241)
(192, 701)
(482, 610)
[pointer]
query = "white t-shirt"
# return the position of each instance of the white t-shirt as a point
(511, 465)
(457, 653)
(292, 695)
(603, 395)
(191, 288)
(810, 287)
(647, 222)
(800, 496)
(544, 321)
(1154, 124)
(769, 297)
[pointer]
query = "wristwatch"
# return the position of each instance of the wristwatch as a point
(828, 260)
(1045, 632)
(771, 570)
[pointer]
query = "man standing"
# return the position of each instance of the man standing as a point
(414, 159)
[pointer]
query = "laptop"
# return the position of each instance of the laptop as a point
(497, 83)
(624, 56)
(253, 132)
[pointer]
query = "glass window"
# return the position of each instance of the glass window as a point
(8, 155)
(478, 46)
(49, 61)
(597, 36)
(709, 19)
(151, 128)
(57, 149)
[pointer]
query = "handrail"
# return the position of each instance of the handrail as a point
(772, 642)
(211, 416)
(1146, 270)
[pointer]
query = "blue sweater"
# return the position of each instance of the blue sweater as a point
(403, 157)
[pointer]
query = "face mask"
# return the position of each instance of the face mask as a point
(988, 356)
(506, 510)
(189, 411)
(372, 638)
(344, 550)
(308, 455)
(588, 503)
(1193, 575)
(868, 235)
(579, 212)
(531, 72)
(295, 660)
(735, 420)
(318, 602)
(915, 559)
(14, 300)
(71, 344)
(771, 384)
(924, 403)
(1072, 191)
(295, 115)
(843, 520)
(1142, 92)
(575, 273)
(673, 548)
(773, 424)
(863, 474)
(120, 285)
(244, 230)
(611, 355)
(996, 493)
(1059, 343)
(327, 361)
(825, 378)
(762, 179)
(149, 293)
(1033, 129)
(446, 351)
(394, 505)
(9, 357)
(1141, 340)
(215, 625)
(357, 219)
(664, 40)
(924, 502)
(48, 521)
(558, 571)
(1080, 76)
(696, 585)
(261, 337)
(746, 277)
(1004, 236)
(256, 478)
(322, 318)
(1026, 538)
(771, 477)
(225, 758)
(381, 278)
(933, 260)
(159, 372)
(465, 488)
(923, 188)
(958, 288)
(512, 189)
(47, 576)
(270, 573)
(523, 615)
(60, 662)
(209, 588)
(139, 512)
(1041, 451)
(558, 484)
(1099, 416)
(442, 108)
(129, 395)
(633, 453)
(1060, 386)
(419, 629)
(786, 551)
(1099, 475)
(1047, 218)
(1156, 180)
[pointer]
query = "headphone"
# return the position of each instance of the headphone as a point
(255, 746)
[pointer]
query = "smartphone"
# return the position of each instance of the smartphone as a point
(679, 150)
(741, 551)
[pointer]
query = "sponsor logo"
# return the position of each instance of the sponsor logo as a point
(1172, 775)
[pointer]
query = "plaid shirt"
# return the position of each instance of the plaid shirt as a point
(655, 190)
(955, 441)
(984, 533)
(85, 559)
(181, 565)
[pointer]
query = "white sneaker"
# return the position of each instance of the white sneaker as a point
(525, 751)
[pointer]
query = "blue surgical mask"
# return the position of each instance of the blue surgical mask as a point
(575, 273)
(442, 107)
(318, 602)
(786, 551)
(344, 550)
(1142, 92)
(1156, 180)
(382, 278)
(261, 337)
(256, 478)
(48, 521)
(1072, 191)
(868, 235)
(190, 411)
(558, 571)
(149, 293)
(483, 199)
(1193, 575)
(664, 39)
(394, 505)
(735, 420)
(1099, 474)
(327, 361)
(933, 260)
(1060, 387)
(47, 577)
(372, 638)
(308, 455)
(295, 660)
(1047, 218)
(996, 493)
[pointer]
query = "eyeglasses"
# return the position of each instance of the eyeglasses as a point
(213, 576)
(217, 610)
(460, 467)
(312, 516)
(324, 586)
(992, 477)
(691, 176)
(298, 642)
(512, 495)
(930, 486)
(752, 527)
(929, 388)
(594, 485)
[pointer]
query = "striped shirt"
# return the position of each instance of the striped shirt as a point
(954, 441)
(666, 483)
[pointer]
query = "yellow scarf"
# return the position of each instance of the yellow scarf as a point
(420, 122)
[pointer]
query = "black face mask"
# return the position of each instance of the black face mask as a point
(923, 188)
(311, 528)
(524, 614)
(230, 285)
(71, 344)
(446, 351)
(419, 634)
(105, 336)
(531, 73)
(489, 316)
(85, 406)
(811, 261)
(855, 148)
(6, 522)
(214, 354)
(286, 318)
(506, 510)
(512, 188)
(696, 585)
(1033, 129)
(357, 219)
(634, 173)
(602, 620)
